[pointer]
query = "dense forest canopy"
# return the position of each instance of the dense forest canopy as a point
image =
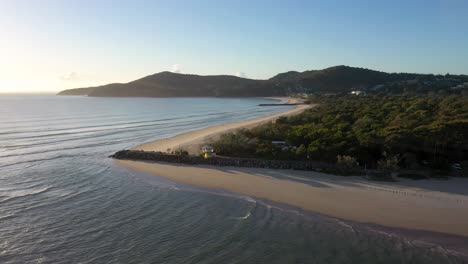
(415, 131)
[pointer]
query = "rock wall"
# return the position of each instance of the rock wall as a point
(221, 161)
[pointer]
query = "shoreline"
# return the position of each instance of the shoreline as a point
(192, 141)
(434, 206)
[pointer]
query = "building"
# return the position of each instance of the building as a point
(280, 144)
(358, 93)
(208, 152)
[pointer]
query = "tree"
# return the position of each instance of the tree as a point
(388, 163)
(346, 164)
(301, 152)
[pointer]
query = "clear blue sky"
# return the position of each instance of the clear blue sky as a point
(53, 45)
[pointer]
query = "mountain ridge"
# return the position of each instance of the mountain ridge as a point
(336, 79)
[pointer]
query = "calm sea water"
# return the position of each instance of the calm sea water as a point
(63, 201)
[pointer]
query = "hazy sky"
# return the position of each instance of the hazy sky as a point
(53, 45)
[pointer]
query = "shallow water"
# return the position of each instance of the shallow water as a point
(63, 201)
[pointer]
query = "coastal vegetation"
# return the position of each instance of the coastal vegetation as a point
(379, 132)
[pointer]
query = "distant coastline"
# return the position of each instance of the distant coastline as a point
(332, 80)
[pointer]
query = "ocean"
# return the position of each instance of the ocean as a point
(62, 200)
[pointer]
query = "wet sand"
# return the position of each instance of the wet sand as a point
(438, 206)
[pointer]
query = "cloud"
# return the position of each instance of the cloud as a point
(176, 68)
(75, 77)
(70, 77)
(241, 74)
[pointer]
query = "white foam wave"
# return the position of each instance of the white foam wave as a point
(245, 217)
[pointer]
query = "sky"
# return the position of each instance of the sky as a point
(51, 45)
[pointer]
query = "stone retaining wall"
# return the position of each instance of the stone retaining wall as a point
(222, 161)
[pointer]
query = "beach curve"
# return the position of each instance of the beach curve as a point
(399, 205)
(192, 140)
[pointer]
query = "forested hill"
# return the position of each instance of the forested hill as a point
(338, 79)
(168, 84)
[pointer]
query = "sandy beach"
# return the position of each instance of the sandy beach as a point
(429, 205)
(191, 141)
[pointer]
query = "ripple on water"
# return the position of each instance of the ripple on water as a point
(62, 200)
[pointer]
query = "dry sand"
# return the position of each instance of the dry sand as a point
(192, 141)
(431, 205)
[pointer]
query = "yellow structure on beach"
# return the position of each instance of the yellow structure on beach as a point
(208, 152)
